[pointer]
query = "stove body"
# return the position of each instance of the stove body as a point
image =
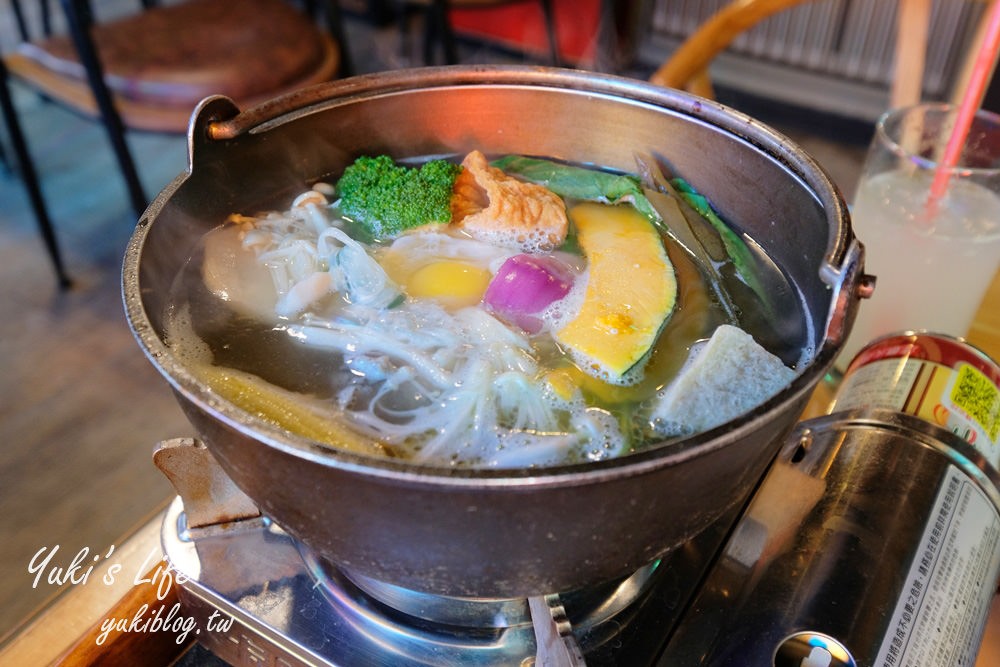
(874, 539)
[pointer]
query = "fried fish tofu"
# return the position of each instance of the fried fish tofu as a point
(491, 206)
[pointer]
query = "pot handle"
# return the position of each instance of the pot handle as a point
(217, 118)
(209, 112)
(211, 498)
(848, 282)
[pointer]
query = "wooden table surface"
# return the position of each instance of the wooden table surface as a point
(985, 331)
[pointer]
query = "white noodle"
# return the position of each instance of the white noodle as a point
(457, 387)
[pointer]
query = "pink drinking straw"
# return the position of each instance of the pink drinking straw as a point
(967, 108)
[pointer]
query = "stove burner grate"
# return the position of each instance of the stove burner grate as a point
(401, 615)
(293, 608)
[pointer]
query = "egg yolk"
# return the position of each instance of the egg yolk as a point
(455, 284)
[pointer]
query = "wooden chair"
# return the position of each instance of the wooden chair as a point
(687, 67)
(148, 70)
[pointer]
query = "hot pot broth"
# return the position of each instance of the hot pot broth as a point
(392, 347)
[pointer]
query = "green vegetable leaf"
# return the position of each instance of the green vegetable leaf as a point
(707, 250)
(728, 259)
(579, 182)
(740, 255)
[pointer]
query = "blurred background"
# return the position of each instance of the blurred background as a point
(81, 409)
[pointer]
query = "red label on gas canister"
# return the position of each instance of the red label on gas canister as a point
(940, 379)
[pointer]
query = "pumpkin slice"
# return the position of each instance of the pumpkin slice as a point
(631, 290)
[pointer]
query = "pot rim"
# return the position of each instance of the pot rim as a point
(217, 119)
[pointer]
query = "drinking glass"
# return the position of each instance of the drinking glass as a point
(933, 256)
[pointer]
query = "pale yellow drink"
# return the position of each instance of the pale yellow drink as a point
(932, 272)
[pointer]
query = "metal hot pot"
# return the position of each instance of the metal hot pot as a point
(484, 533)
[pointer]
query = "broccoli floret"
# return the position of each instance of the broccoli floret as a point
(387, 199)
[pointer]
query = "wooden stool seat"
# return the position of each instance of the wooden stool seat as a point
(160, 63)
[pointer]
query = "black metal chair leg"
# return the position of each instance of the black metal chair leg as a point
(335, 24)
(30, 178)
(22, 24)
(550, 30)
(4, 160)
(79, 20)
(430, 36)
(438, 25)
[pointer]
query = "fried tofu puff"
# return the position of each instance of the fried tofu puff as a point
(491, 206)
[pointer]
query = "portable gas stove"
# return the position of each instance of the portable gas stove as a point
(289, 607)
(874, 539)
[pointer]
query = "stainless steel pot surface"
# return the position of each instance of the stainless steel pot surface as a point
(497, 533)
